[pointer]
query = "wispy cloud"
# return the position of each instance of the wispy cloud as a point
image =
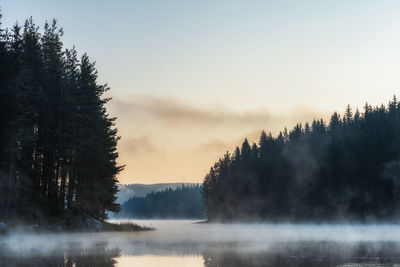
(137, 145)
(173, 112)
(164, 138)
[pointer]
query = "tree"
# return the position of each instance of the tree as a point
(183, 203)
(346, 170)
(348, 115)
(58, 154)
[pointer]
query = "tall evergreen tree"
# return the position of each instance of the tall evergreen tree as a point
(348, 169)
(58, 154)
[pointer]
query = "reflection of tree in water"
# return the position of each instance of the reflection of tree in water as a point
(74, 256)
(258, 260)
(310, 254)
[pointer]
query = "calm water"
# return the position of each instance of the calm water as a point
(186, 243)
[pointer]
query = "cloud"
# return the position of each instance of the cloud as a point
(172, 112)
(164, 138)
(214, 145)
(133, 145)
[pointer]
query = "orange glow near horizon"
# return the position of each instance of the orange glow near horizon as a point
(191, 80)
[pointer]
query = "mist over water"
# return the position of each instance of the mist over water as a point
(187, 243)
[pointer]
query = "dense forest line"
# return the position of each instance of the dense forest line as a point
(184, 202)
(57, 141)
(346, 169)
(127, 191)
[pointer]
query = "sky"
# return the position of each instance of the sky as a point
(191, 79)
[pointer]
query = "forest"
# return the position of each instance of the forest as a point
(184, 202)
(346, 169)
(57, 141)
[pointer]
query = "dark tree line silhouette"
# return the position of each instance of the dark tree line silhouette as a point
(346, 169)
(184, 202)
(57, 141)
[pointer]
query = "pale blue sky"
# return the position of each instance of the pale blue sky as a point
(282, 58)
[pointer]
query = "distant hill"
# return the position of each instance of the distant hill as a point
(184, 202)
(127, 191)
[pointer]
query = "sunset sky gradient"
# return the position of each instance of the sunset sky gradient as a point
(192, 79)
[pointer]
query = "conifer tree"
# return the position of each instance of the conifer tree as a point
(58, 152)
(348, 169)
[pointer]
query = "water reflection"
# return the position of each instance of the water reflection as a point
(187, 244)
(72, 256)
(161, 261)
(285, 254)
(311, 255)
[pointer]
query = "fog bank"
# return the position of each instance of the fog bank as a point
(188, 237)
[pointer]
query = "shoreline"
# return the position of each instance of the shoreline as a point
(100, 227)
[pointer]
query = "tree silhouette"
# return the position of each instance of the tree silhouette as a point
(184, 202)
(57, 141)
(346, 169)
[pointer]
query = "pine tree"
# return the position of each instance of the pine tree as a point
(346, 170)
(348, 115)
(58, 153)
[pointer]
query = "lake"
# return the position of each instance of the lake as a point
(187, 243)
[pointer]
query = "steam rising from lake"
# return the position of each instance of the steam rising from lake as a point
(213, 241)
